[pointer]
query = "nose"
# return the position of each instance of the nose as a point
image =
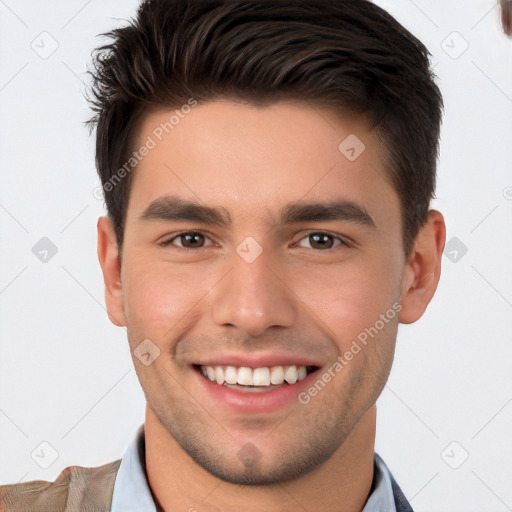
(254, 296)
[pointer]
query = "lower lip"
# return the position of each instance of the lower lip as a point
(253, 402)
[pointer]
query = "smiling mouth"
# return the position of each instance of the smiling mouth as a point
(265, 378)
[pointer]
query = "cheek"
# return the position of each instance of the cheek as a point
(348, 299)
(157, 297)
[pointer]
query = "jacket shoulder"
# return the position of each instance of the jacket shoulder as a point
(75, 489)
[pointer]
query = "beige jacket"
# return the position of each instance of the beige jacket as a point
(76, 489)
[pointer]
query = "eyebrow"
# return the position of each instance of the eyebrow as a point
(172, 208)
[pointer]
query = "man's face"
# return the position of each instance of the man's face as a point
(266, 288)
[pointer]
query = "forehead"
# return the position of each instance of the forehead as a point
(257, 157)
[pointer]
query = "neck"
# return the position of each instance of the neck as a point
(341, 484)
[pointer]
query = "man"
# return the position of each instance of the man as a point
(267, 169)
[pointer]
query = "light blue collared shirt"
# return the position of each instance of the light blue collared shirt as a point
(132, 493)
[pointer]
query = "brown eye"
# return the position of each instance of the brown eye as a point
(192, 240)
(322, 241)
(189, 240)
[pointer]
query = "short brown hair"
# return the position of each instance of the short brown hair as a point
(344, 54)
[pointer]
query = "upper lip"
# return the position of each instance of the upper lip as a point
(258, 360)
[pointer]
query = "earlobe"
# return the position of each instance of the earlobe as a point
(423, 268)
(108, 256)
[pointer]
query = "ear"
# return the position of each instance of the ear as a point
(423, 268)
(110, 262)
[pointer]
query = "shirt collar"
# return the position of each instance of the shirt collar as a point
(382, 498)
(131, 488)
(132, 493)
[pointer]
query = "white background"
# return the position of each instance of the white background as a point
(66, 376)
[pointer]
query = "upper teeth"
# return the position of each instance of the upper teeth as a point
(263, 376)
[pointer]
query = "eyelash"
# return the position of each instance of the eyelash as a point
(169, 241)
